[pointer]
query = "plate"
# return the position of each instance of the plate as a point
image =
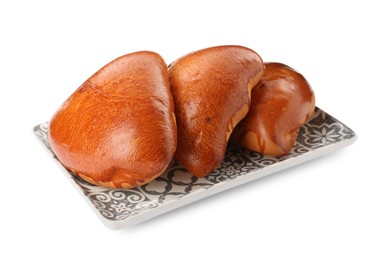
(176, 187)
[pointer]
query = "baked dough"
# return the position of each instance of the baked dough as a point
(281, 102)
(118, 129)
(211, 90)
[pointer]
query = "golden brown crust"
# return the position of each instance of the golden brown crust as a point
(211, 90)
(281, 102)
(118, 129)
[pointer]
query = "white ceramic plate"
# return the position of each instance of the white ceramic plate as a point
(176, 187)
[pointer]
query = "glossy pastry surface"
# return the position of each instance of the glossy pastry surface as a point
(118, 128)
(281, 102)
(211, 90)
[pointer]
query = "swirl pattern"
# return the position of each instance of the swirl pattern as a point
(176, 183)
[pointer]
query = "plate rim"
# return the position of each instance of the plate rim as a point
(203, 193)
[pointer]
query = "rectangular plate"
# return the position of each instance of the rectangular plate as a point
(121, 208)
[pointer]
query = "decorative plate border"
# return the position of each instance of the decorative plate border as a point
(123, 207)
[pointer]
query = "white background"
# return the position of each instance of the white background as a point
(335, 207)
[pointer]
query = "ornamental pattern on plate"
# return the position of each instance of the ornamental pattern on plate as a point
(176, 182)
